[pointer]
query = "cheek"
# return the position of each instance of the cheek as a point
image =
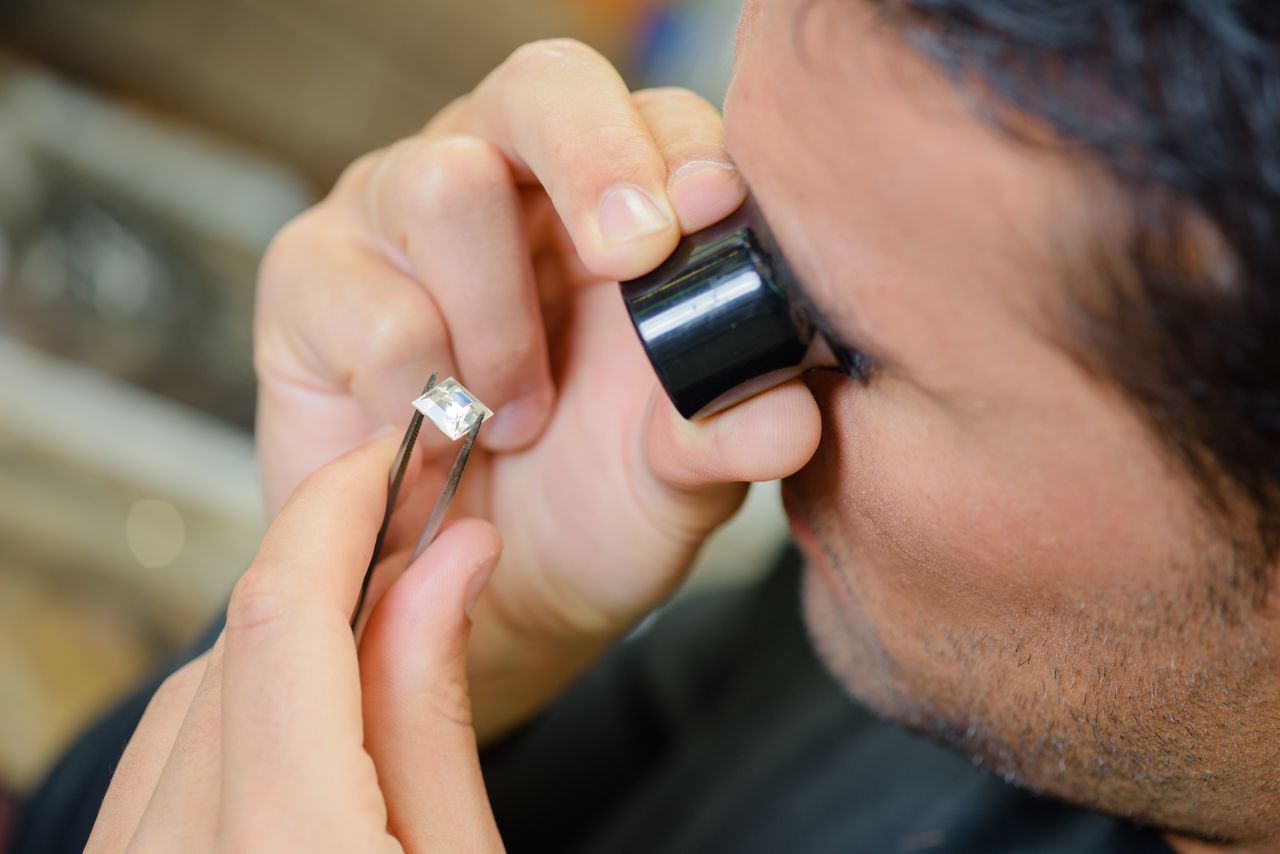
(933, 518)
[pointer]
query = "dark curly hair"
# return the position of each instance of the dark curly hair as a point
(1179, 100)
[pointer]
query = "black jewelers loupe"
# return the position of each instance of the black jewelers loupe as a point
(721, 319)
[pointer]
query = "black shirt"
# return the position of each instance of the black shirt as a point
(713, 730)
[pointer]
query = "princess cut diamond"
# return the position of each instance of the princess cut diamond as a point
(452, 408)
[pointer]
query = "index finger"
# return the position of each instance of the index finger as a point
(565, 118)
(292, 732)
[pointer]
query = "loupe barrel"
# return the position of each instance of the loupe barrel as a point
(717, 318)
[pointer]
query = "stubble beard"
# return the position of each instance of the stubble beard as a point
(1161, 711)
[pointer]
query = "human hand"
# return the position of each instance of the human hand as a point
(279, 739)
(487, 247)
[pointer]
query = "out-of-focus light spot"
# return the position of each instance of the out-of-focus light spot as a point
(155, 532)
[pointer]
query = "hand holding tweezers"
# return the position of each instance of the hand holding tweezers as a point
(398, 468)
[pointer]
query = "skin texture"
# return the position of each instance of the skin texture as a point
(1001, 554)
(284, 736)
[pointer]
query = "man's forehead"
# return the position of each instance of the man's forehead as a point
(881, 171)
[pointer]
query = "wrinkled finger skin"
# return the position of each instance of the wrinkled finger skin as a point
(489, 247)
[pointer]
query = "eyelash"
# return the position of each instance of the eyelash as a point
(854, 364)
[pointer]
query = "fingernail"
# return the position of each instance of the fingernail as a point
(628, 212)
(517, 423)
(693, 167)
(477, 583)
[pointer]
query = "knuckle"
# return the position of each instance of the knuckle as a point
(400, 334)
(446, 176)
(359, 170)
(624, 151)
(290, 245)
(450, 702)
(255, 602)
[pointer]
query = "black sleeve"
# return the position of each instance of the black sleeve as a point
(556, 782)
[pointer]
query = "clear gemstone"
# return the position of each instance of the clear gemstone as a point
(452, 408)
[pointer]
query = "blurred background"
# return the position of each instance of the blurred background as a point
(149, 149)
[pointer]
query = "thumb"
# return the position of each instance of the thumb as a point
(417, 710)
(766, 437)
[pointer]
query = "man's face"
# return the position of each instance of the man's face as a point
(999, 551)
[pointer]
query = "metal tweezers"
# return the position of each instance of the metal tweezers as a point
(436, 519)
